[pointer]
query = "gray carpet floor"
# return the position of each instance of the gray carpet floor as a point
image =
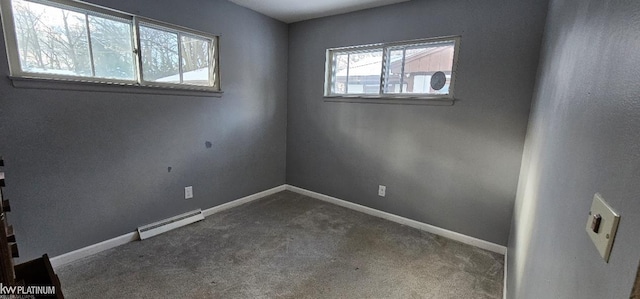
(288, 246)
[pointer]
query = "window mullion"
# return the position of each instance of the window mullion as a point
(212, 63)
(334, 73)
(135, 28)
(180, 69)
(346, 82)
(93, 64)
(404, 57)
(384, 71)
(216, 61)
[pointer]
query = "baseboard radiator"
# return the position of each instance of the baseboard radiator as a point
(156, 228)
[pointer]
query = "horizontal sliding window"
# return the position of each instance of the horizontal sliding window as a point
(112, 48)
(170, 56)
(75, 41)
(358, 72)
(412, 69)
(160, 58)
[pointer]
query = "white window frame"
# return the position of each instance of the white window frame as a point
(17, 73)
(385, 48)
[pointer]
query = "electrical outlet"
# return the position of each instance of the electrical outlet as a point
(188, 192)
(382, 190)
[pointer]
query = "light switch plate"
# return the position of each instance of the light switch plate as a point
(603, 238)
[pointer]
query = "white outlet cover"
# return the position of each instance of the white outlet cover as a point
(603, 239)
(188, 192)
(382, 190)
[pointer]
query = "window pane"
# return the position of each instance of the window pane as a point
(76, 41)
(195, 61)
(51, 40)
(393, 81)
(426, 69)
(159, 50)
(112, 49)
(359, 73)
(364, 73)
(340, 74)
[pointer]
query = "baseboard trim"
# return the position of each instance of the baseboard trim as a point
(241, 201)
(405, 221)
(72, 256)
(69, 257)
(75, 255)
(504, 288)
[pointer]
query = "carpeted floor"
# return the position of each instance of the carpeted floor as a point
(288, 246)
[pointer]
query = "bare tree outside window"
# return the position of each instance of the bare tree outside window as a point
(51, 40)
(74, 41)
(112, 48)
(195, 60)
(160, 55)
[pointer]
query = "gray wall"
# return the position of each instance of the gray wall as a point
(83, 167)
(454, 167)
(583, 138)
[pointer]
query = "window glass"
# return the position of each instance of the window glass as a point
(394, 79)
(363, 73)
(77, 41)
(339, 73)
(357, 73)
(195, 61)
(51, 40)
(159, 51)
(415, 69)
(112, 48)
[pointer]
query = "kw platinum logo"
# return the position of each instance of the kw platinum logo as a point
(26, 290)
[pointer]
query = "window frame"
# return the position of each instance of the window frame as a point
(383, 96)
(180, 31)
(17, 73)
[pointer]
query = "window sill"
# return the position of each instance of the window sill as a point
(434, 101)
(39, 83)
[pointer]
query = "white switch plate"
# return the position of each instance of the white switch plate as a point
(382, 190)
(188, 192)
(608, 226)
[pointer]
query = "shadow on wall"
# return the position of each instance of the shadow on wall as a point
(424, 168)
(414, 154)
(635, 293)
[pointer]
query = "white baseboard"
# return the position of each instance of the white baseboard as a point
(241, 201)
(75, 255)
(405, 221)
(69, 257)
(504, 288)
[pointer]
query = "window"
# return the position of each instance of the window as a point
(413, 69)
(75, 41)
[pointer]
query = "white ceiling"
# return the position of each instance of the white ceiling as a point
(290, 11)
